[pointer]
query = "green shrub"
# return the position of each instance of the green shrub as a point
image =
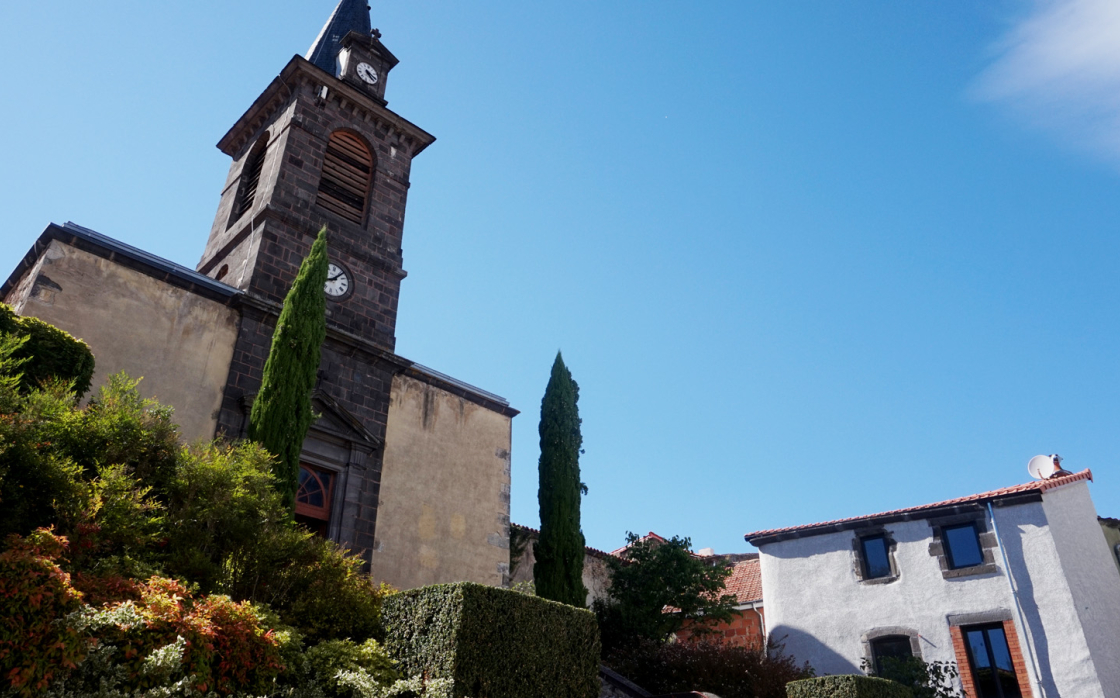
(328, 659)
(847, 686)
(229, 532)
(51, 354)
(493, 643)
(119, 427)
(728, 671)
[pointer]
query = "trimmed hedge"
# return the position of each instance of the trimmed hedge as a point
(49, 352)
(847, 686)
(493, 643)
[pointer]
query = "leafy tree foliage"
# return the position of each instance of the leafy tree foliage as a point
(656, 587)
(558, 571)
(281, 412)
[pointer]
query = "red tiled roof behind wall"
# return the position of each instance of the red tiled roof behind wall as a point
(745, 582)
(1036, 486)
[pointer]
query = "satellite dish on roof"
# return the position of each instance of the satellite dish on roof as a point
(1042, 467)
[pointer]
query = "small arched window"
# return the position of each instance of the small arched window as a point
(347, 169)
(250, 178)
(888, 649)
(313, 497)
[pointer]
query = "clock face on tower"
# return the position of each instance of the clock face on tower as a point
(338, 284)
(367, 73)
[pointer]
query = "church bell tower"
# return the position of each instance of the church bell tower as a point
(320, 148)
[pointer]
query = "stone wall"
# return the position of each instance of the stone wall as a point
(596, 574)
(179, 342)
(444, 505)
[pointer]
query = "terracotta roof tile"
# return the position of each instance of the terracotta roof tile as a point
(745, 582)
(1035, 486)
(649, 536)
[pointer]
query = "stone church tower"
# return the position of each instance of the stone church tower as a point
(405, 465)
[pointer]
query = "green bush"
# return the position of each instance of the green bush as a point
(493, 643)
(328, 659)
(847, 686)
(51, 353)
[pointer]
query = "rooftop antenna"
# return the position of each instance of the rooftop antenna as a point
(1042, 467)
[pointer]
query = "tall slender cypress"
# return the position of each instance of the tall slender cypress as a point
(558, 572)
(282, 412)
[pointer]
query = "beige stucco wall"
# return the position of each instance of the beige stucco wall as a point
(180, 343)
(443, 511)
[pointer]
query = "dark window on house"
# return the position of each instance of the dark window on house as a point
(989, 659)
(962, 546)
(250, 178)
(876, 558)
(313, 498)
(890, 647)
(347, 168)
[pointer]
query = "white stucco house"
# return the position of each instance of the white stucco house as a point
(1020, 579)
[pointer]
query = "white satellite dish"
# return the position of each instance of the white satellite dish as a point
(1041, 467)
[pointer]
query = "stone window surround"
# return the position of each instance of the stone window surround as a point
(886, 631)
(985, 534)
(957, 623)
(858, 562)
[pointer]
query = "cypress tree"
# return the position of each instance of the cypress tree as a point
(281, 412)
(558, 571)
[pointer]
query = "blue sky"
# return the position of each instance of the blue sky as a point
(806, 260)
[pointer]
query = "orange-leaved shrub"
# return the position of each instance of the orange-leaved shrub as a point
(46, 631)
(34, 594)
(226, 649)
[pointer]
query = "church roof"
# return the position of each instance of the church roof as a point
(126, 255)
(350, 15)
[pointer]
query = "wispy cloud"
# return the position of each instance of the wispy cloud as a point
(1059, 68)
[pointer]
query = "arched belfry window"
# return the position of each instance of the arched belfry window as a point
(250, 178)
(347, 169)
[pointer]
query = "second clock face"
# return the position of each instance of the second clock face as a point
(338, 282)
(367, 73)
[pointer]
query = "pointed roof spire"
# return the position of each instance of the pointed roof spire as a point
(350, 15)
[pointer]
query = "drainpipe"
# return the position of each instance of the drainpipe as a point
(1027, 637)
(761, 624)
(753, 606)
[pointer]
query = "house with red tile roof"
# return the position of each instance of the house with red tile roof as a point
(747, 627)
(1018, 586)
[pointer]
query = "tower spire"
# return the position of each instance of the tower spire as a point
(350, 15)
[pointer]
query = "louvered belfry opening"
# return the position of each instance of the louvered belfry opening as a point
(346, 175)
(250, 177)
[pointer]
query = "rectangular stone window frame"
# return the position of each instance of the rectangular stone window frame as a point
(859, 565)
(986, 537)
(957, 625)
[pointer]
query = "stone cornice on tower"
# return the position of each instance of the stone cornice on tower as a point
(299, 72)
